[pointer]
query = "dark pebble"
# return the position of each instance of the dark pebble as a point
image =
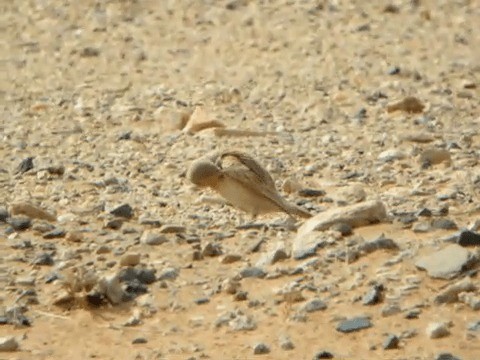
(114, 224)
(51, 278)
(139, 340)
(446, 356)
(3, 214)
(260, 349)
(373, 296)
(391, 342)
(252, 272)
(311, 193)
(95, 298)
(354, 324)
(124, 211)
(323, 355)
(343, 228)
(202, 301)
(211, 250)
(469, 238)
(144, 276)
(54, 234)
(89, 52)
(43, 259)
(20, 223)
(25, 165)
(135, 288)
(424, 212)
(240, 296)
(394, 70)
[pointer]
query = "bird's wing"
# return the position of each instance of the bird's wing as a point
(251, 164)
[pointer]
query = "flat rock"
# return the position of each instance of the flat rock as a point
(153, 238)
(391, 342)
(355, 215)
(446, 356)
(307, 244)
(130, 259)
(123, 211)
(314, 305)
(20, 223)
(354, 324)
(446, 263)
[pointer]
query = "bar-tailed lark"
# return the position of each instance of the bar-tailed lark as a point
(243, 182)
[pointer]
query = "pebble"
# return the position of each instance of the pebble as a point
(373, 296)
(391, 342)
(19, 223)
(140, 340)
(54, 234)
(130, 259)
(444, 224)
(25, 165)
(446, 263)
(172, 229)
(391, 309)
(446, 356)
(211, 250)
(260, 349)
(230, 258)
(437, 330)
(314, 305)
(469, 238)
(253, 272)
(354, 324)
(32, 211)
(474, 326)
(153, 238)
(3, 214)
(43, 259)
(123, 211)
(470, 299)
(110, 286)
(168, 274)
(114, 224)
(143, 275)
(286, 343)
(8, 343)
(323, 355)
(409, 104)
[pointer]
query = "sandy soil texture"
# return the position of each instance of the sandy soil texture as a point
(366, 114)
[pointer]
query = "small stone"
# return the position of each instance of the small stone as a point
(63, 298)
(424, 212)
(242, 323)
(413, 314)
(153, 238)
(139, 340)
(54, 234)
(25, 165)
(286, 343)
(444, 224)
(43, 259)
(240, 296)
(469, 238)
(172, 229)
(373, 296)
(144, 276)
(271, 257)
(391, 309)
(437, 330)
(89, 52)
(211, 250)
(474, 326)
(470, 299)
(202, 301)
(323, 355)
(354, 324)
(123, 211)
(3, 214)
(168, 274)
(8, 343)
(25, 281)
(130, 259)
(342, 228)
(314, 305)
(19, 223)
(394, 70)
(253, 272)
(391, 155)
(446, 356)
(446, 263)
(391, 342)
(260, 349)
(110, 286)
(114, 224)
(230, 258)
(311, 192)
(422, 227)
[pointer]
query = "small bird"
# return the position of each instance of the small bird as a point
(244, 183)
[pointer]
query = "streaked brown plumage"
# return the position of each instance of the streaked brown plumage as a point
(244, 183)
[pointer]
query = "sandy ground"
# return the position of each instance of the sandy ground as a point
(100, 90)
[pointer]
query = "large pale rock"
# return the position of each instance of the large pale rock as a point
(446, 263)
(365, 213)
